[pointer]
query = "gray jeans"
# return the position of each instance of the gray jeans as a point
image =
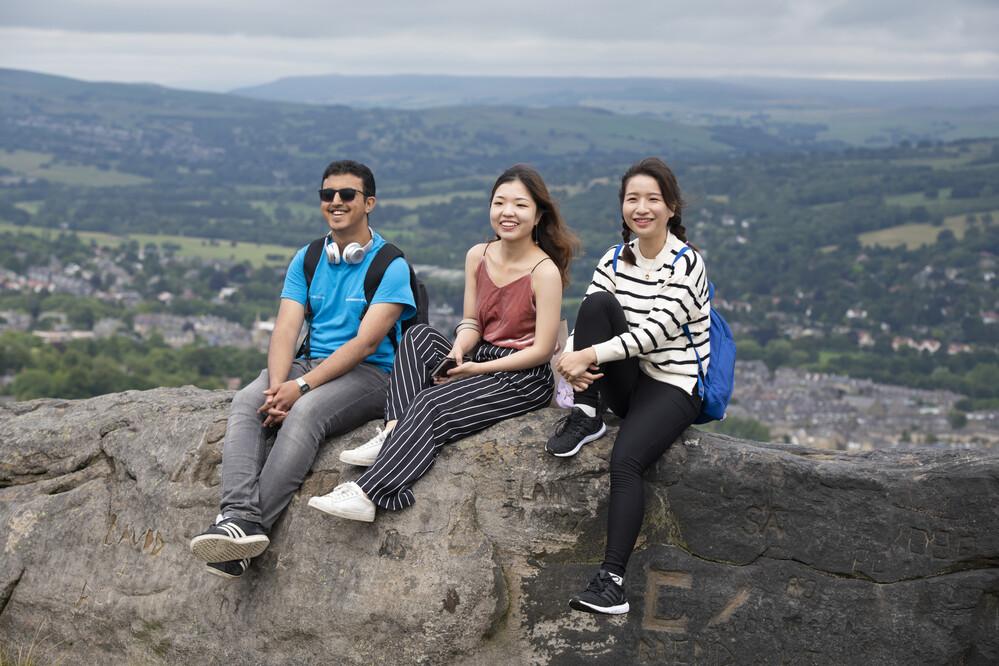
(257, 483)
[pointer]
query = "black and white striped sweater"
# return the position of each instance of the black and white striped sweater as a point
(658, 299)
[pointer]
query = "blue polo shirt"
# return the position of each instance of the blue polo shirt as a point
(337, 300)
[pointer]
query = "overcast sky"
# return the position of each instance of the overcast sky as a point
(219, 45)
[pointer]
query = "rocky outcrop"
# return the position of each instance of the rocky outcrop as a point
(751, 553)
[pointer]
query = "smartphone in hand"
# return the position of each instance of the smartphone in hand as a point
(440, 372)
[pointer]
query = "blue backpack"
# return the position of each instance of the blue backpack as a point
(714, 387)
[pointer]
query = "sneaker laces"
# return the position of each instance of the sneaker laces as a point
(344, 491)
(380, 436)
(600, 582)
(574, 422)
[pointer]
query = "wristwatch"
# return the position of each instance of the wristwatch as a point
(303, 386)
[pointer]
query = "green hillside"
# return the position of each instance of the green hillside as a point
(813, 245)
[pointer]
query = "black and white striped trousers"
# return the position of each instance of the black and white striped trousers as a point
(431, 415)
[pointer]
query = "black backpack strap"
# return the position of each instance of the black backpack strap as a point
(312, 256)
(373, 277)
(376, 271)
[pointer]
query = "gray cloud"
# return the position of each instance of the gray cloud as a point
(556, 20)
(206, 43)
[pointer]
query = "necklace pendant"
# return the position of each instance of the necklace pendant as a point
(646, 276)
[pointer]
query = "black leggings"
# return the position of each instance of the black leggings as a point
(653, 415)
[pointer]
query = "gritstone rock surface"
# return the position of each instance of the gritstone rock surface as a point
(750, 553)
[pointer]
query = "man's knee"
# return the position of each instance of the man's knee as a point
(250, 397)
(300, 432)
(315, 417)
(307, 414)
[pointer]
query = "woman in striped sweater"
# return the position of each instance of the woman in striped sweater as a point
(499, 360)
(629, 352)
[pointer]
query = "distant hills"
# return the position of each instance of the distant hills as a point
(416, 91)
(854, 112)
(178, 136)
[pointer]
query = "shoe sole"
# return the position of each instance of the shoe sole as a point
(364, 517)
(220, 573)
(216, 548)
(349, 459)
(585, 440)
(580, 605)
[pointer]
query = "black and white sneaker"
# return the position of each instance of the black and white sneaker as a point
(230, 539)
(604, 594)
(574, 430)
(230, 569)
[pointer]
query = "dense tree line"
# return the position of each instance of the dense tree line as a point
(84, 368)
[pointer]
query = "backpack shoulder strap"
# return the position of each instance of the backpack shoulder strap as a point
(711, 285)
(312, 255)
(679, 254)
(311, 261)
(617, 253)
(700, 366)
(373, 277)
(690, 338)
(376, 271)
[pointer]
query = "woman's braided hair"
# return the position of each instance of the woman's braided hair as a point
(654, 168)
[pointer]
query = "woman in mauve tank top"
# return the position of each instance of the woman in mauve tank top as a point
(497, 366)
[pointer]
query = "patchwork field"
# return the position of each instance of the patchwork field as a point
(203, 248)
(916, 235)
(41, 166)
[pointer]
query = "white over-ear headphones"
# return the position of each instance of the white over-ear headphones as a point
(354, 253)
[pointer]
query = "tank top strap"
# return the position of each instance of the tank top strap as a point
(541, 262)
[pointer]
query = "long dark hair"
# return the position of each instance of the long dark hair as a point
(654, 168)
(551, 233)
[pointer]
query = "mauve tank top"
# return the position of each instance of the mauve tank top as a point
(506, 314)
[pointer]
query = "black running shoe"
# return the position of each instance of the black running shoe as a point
(230, 569)
(230, 539)
(573, 431)
(604, 594)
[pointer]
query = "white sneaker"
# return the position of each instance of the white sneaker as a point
(346, 501)
(365, 454)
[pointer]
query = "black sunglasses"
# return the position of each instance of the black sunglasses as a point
(327, 194)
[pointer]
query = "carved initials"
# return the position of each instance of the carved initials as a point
(150, 543)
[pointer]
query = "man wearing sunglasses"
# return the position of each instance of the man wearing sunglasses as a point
(335, 383)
